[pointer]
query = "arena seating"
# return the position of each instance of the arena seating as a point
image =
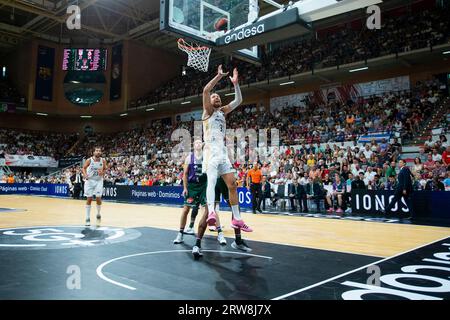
(341, 45)
(317, 141)
(38, 143)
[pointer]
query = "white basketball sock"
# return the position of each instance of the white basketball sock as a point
(99, 208)
(211, 174)
(88, 212)
(216, 207)
(236, 213)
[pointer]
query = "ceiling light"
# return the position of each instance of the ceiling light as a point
(359, 69)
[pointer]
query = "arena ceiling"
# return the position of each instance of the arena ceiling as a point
(103, 22)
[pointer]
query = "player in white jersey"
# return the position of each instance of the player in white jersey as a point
(93, 171)
(215, 154)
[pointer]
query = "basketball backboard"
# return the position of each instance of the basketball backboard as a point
(230, 25)
(199, 19)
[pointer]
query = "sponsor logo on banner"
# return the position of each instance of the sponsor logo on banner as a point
(110, 191)
(244, 197)
(61, 189)
(244, 33)
(171, 195)
(372, 202)
(45, 73)
(56, 190)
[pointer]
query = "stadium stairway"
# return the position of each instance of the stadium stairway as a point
(5, 170)
(435, 126)
(75, 145)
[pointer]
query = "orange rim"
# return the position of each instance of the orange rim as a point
(183, 44)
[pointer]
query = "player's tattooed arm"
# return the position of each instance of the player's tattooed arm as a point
(185, 179)
(85, 166)
(207, 106)
(238, 95)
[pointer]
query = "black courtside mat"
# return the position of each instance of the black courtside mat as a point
(419, 274)
(70, 262)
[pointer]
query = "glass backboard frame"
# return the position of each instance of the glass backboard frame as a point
(172, 23)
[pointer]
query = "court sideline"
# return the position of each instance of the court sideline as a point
(355, 237)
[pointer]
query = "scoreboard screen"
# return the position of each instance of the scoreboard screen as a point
(76, 59)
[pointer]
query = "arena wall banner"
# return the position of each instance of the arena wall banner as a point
(427, 205)
(384, 86)
(116, 73)
(370, 202)
(188, 116)
(30, 161)
(161, 195)
(293, 100)
(170, 195)
(44, 73)
(377, 136)
(342, 93)
(43, 189)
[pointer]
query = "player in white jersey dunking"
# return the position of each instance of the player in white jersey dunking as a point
(215, 154)
(93, 171)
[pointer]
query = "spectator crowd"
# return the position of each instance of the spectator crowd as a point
(37, 143)
(320, 158)
(340, 45)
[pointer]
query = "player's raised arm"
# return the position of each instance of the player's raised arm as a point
(237, 96)
(207, 106)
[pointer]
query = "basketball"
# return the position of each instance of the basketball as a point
(221, 24)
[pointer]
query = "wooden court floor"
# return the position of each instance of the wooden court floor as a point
(357, 237)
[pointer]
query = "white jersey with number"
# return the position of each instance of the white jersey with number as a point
(215, 153)
(214, 129)
(94, 185)
(93, 168)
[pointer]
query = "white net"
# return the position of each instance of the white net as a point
(198, 56)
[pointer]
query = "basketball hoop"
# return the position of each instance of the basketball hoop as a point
(198, 56)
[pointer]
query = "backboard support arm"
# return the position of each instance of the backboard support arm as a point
(273, 3)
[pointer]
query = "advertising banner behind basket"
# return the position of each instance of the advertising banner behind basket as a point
(342, 93)
(30, 161)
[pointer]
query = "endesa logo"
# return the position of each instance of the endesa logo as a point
(244, 33)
